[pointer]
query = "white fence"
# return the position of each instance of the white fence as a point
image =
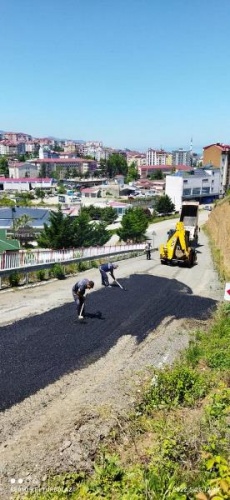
(25, 259)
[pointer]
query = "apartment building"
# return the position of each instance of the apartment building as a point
(139, 159)
(218, 155)
(181, 157)
(64, 166)
(158, 157)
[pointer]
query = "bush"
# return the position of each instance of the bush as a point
(58, 271)
(82, 266)
(71, 269)
(177, 386)
(14, 279)
(41, 275)
(94, 264)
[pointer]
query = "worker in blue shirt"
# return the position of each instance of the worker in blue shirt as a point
(78, 292)
(107, 268)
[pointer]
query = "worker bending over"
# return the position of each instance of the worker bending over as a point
(78, 292)
(107, 268)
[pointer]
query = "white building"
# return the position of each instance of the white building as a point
(203, 185)
(4, 149)
(24, 184)
(22, 169)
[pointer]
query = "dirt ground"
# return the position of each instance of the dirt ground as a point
(60, 427)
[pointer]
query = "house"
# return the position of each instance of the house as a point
(7, 245)
(91, 192)
(120, 207)
(37, 217)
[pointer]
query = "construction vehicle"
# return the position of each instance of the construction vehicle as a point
(177, 250)
(189, 217)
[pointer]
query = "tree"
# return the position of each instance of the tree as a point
(132, 173)
(107, 215)
(58, 234)
(72, 232)
(164, 205)
(40, 193)
(158, 175)
(133, 225)
(116, 164)
(22, 221)
(4, 169)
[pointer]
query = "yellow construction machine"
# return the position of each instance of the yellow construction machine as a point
(177, 250)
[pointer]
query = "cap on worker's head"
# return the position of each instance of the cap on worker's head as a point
(115, 266)
(91, 284)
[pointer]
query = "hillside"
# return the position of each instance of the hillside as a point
(218, 227)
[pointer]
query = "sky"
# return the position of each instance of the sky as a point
(133, 74)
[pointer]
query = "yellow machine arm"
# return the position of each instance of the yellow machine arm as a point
(177, 247)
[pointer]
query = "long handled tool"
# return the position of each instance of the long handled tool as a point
(117, 282)
(81, 311)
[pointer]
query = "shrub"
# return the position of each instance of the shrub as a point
(14, 279)
(58, 271)
(177, 386)
(71, 268)
(94, 264)
(41, 275)
(82, 266)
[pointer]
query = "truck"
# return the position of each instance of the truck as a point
(177, 249)
(189, 217)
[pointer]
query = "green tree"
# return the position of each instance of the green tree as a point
(22, 221)
(133, 225)
(87, 233)
(116, 164)
(164, 205)
(107, 215)
(68, 232)
(40, 193)
(103, 167)
(58, 234)
(132, 173)
(4, 169)
(158, 175)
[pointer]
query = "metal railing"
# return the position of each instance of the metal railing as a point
(26, 261)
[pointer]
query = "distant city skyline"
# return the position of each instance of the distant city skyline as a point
(50, 136)
(133, 74)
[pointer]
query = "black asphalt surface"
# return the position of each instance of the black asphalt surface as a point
(37, 351)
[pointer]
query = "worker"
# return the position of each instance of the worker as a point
(148, 250)
(78, 292)
(107, 268)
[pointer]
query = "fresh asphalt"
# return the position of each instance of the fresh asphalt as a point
(39, 350)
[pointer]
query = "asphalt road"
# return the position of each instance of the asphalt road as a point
(39, 350)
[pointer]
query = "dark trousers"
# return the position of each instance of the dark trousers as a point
(104, 277)
(79, 301)
(148, 254)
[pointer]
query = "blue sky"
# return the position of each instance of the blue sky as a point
(130, 73)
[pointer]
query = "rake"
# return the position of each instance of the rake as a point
(117, 282)
(81, 311)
